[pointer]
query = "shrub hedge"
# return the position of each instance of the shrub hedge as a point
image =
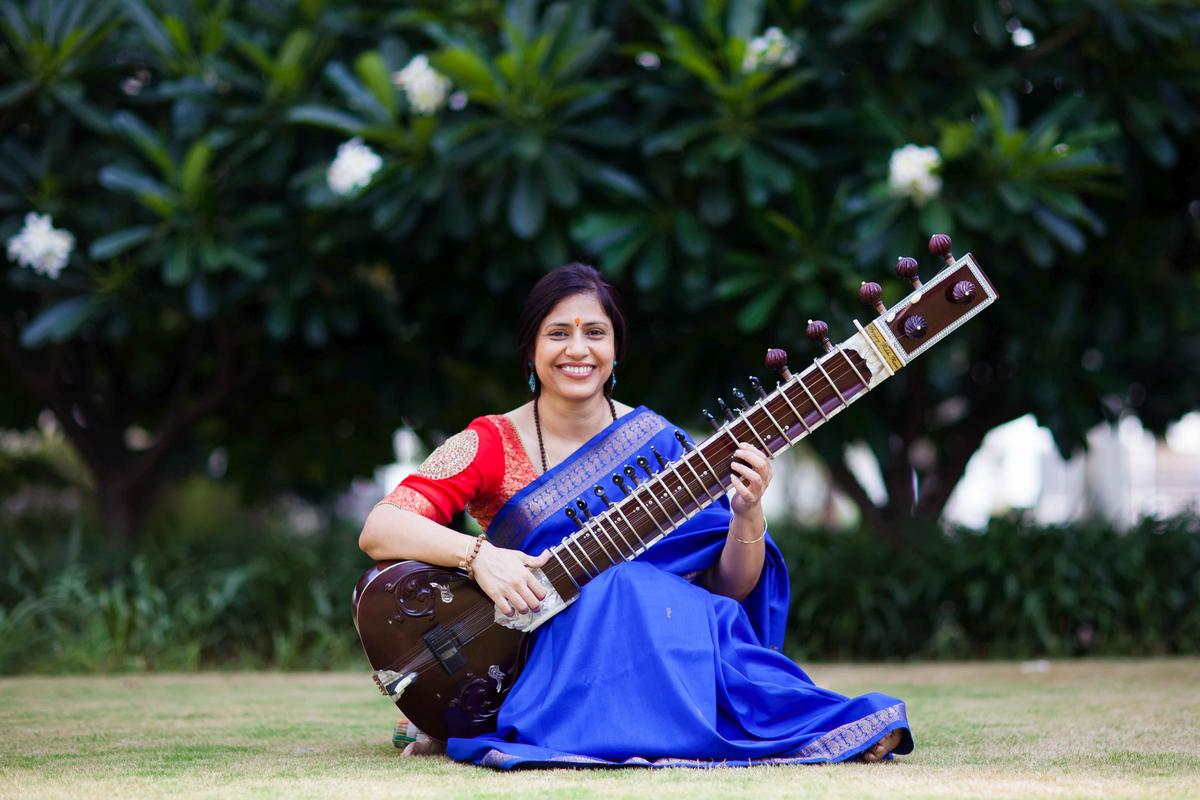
(254, 596)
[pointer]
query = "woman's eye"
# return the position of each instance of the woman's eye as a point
(596, 332)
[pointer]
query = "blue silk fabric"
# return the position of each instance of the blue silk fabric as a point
(646, 668)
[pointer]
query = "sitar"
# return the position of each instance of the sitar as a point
(447, 658)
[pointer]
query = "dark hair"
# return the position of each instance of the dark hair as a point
(555, 286)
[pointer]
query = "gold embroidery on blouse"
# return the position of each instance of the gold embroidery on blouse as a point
(452, 457)
(407, 499)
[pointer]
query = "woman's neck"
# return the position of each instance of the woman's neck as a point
(573, 420)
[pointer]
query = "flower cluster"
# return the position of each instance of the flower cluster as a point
(425, 87)
(353, 167)
(772, 49)
(40, 246)
(912, 173)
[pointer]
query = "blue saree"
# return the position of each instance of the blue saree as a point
(646, 668)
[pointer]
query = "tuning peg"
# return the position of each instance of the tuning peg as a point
(939, 245)
(662, 462)
(683, 440)
(870, 293)
(581, 504)
(777, 360)
(915, 327)
(711, 419)
(631, 473)
(962, 292)
(756, 385)
(741, 398)
(644, 463)
(574, 517)
(599, 490)
(725, 409)
(818, 331)
(906, 268)
(619, 482)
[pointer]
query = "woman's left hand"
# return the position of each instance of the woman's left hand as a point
(749, 482)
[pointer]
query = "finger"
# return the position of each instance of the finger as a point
(536, 588)
(531, 600)
(749, 476)
(752, 454)
(542, 559)
(504, 607)
(742, 490)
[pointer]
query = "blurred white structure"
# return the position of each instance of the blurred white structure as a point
(1124, 474)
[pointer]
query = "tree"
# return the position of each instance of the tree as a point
(237, 287)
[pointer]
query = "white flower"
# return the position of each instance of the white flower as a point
(648, 60)
(1023, 37)
(40, 246)
(425, 87)
(353, 167)
(772, 49)
(911, 173)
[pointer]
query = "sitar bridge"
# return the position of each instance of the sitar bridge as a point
(445, 646)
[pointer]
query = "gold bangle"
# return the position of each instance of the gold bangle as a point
(760, 536)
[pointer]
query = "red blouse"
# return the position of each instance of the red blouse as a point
(479, 469)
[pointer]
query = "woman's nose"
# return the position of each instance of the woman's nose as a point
(577, 345)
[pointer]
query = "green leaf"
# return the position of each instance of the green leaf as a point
(177, 267)
(59, 322)
(149, 142)
(469, 71)
(619, 182)
(564, 188)
(374, 73)
(1067, 234)
(326, 117)
(651, 269)
(754, 315)
(955, 139)
(526, 204)
(195, 163)
(117, 242)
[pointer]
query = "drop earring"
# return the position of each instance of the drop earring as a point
(532, 378)
(614, 375)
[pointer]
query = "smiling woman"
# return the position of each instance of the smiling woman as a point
(669, 659)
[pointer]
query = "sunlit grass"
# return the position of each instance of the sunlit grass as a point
(1080, 729)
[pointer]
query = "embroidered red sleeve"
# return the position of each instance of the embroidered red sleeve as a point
(466, 465)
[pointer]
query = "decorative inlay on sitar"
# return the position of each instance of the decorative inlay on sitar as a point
(443, 653)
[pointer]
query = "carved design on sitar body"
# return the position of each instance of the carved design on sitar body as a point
(416, 593)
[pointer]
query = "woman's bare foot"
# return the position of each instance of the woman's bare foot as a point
(424, 746)
(877, 751)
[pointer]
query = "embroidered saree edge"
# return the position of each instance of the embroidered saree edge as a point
(839, 744)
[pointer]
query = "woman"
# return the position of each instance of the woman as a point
(667, 660)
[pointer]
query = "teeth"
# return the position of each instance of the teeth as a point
(577, 370)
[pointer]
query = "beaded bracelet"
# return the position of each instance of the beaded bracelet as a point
(468, 559)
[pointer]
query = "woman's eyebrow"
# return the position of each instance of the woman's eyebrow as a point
(596, 323)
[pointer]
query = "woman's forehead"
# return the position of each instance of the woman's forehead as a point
(584, 307)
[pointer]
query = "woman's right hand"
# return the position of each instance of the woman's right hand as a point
(505, 577)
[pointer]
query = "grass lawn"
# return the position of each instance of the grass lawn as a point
(1079, 729)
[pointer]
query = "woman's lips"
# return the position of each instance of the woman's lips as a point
(577, 371)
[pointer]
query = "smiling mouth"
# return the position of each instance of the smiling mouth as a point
(578, 371)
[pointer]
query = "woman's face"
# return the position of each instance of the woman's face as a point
(575, 348)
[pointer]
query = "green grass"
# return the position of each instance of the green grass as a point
(1080, 729)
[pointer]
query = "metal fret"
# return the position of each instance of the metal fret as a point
(607, 554)
(816, 405)
(799, 416)
(817, 363)
(670, 494)
(632, 549)
(583, 549)
(850, 361)
(699, 480)
(646, 508)
(767, 410)
(563, 564)
(565, 543)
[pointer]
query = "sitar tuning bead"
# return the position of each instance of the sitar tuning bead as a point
(681, 437)
(777, 360)
(644, 463)
(907, 268)
(818, 332)
(599, 490)
(939, 245)
(870, 293)
(729, 415)
(756, 385)
(584, 513)
(619, 482)
(711, 419)
(570, 512)
(631, 473)
(741, 398)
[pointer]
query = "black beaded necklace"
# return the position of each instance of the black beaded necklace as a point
(537, 423)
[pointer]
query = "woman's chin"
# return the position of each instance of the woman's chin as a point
(577, 390)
